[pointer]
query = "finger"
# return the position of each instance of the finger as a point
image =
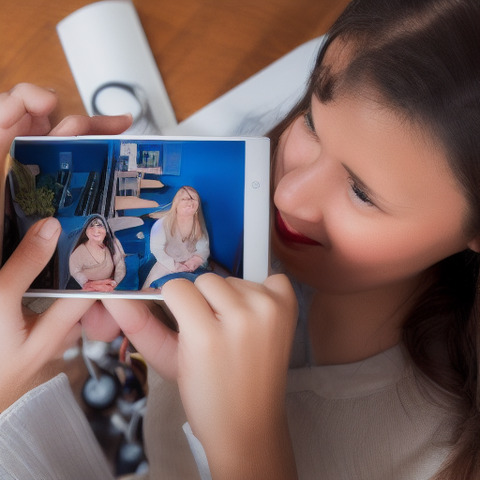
(273, 299)
(99, 324)
(25, 98)
(189, 307)
(221, 296)
(268, 308)
(96, 125)
(53, 327)
(234, 293)
(280, 285)
(28, 260)
(36, 126)
(282, 291)
(71, 340)
(153, 339)
(228, 296)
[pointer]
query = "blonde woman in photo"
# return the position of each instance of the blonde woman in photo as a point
(179, 239)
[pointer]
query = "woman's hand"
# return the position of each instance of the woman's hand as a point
(193, 263)
(25, 110)
(29, 341)
(230, 358)
(83, 125)
(107, 285)
(234, 348)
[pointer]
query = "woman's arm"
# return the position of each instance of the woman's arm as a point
(203, 248)
(76, 263)
(158, 240)
(29, 341)
(120, 268)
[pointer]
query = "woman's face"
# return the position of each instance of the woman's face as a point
(187, 204)
(363, 200)
(96, 231)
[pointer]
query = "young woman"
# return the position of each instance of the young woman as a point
(376, 206)
(377, 222)
(178, 239)
(97, 261)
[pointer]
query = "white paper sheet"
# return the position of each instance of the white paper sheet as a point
(258, 104)
(104, 42)
(106, 46)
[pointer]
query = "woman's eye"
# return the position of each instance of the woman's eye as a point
(360, 194)
(307, 118)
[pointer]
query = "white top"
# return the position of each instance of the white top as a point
(170, 251)
(169, 255)
(45, 435)
(366, 420)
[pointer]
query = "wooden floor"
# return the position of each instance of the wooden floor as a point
(203, 48)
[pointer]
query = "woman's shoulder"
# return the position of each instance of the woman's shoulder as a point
(79, 250)
(117, 246)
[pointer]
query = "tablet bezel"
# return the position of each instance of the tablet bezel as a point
(256, 191)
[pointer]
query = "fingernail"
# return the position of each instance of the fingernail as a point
(48, 229)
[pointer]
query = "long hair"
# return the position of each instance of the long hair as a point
(421, 59)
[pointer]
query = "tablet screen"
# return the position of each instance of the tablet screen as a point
(138, 211)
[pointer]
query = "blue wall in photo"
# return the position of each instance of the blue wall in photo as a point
(215, 168)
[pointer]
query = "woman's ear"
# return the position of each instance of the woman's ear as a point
(474, 244)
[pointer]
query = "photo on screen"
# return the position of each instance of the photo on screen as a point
(133, 212)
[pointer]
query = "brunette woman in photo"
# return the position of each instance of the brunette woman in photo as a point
(97, 262)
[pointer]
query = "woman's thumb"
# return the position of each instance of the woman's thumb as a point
(31, 256)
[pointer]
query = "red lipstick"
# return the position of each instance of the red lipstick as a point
(289, 234)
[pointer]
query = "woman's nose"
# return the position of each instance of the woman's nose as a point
(302, 191)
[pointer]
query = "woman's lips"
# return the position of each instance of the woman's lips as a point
(289, 234)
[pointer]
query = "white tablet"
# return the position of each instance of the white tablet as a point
(138, 211)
